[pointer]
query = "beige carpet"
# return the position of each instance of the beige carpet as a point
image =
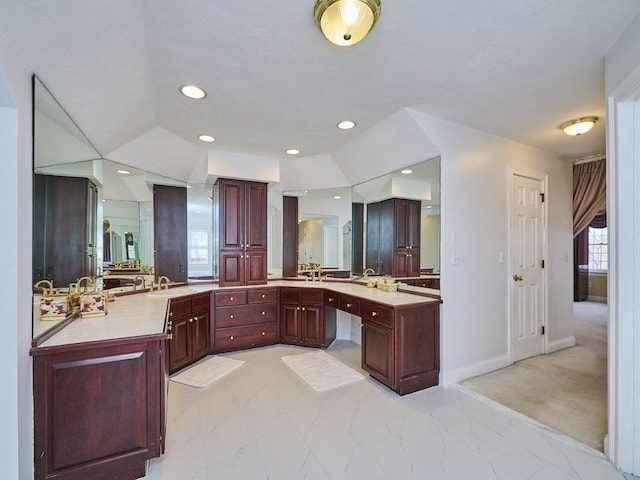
(565, 390)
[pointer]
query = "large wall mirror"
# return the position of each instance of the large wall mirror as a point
(420, 182)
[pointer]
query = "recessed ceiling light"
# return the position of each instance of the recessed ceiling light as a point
(346, 125)
(337, 197)
(293, 151)
(206, 138)
(124, 172)
(406, 171)
(192, 91)
(428, 206)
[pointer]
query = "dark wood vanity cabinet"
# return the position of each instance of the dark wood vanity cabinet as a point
(393, 237)
(98, 408)
(302, 319)
(62, 205)
(240, 220)
(401, 346)
(245, 318)
(188, 327)
(170, 232)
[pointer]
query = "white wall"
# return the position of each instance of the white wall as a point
(474, 180)
(16, 402)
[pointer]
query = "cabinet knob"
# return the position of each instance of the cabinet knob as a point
(264, 313)
(303, 309)
(195, 318)
(231, 316)
(297, 308)
(263, 334)
(373, 314)
(349, 305)
(170, 336)
(231, 337)
(264, 296)
(171, 314)
(231, 299)
(191, 320)
(331, 300)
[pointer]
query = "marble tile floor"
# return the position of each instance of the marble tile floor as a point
(263, 422)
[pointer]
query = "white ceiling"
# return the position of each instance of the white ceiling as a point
(514, 68)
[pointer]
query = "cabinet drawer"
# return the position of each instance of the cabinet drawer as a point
(350, 304)
(245, 315)
(236, 338)
(332, 299)
(180, 306)
(311, 296)
(237, 297)
(201, 302)
(262, 295)
(377, 313)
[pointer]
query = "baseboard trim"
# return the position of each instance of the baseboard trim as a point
(479, 368)
(561, 344)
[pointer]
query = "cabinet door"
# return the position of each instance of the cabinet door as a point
(312, 325)
(401, 213)
(180, 345)
(255, 215)
(373, 236)
(377, 352)
(414, 210)
(232, 268)
(231, 216)
(255, 267)
(406, 264)
(290, 323)
(200, 335)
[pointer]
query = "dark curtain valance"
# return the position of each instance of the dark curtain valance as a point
(589, 193)
(599, 221)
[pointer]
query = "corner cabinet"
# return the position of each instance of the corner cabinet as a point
(189, 327)
(240, 220)
(98, 408)
(393, 237)
(302, 319)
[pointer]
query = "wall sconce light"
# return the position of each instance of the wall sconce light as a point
(346, 22)
(578, 126)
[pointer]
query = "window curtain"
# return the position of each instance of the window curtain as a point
(589, 193)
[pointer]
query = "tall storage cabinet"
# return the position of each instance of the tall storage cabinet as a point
(393, 237)
(240, 219)
(170, 232)
(62, 205)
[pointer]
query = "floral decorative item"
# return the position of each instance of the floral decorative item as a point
(93, 304)
(52, 306)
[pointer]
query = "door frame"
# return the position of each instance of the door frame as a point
(544, 178)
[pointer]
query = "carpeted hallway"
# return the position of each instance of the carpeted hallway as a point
(565, 390)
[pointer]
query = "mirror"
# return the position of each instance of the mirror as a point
(324, 228)
(418, 182)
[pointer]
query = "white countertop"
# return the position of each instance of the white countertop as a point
(144, 313)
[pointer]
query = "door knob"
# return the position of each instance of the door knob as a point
(517, 278)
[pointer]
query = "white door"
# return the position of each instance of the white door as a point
(527, 257)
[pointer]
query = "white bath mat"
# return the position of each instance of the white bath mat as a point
(207, 371)
(321, 371)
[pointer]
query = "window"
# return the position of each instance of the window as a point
(199, 245)
(598, 248)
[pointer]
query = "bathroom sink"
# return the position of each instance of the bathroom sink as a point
(172, 292)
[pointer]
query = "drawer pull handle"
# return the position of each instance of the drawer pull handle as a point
(231, 316)
(264, 313)
(264, 296)
(349, 305)
(373, 314)
(231, 337)
(263, 334)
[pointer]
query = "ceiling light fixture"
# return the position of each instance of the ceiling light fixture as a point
(346, 125)
(406, 171)
(193, 91)
(206, 138)
(346, 22)
(124, 172)
(578, 126)
(293, 151)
